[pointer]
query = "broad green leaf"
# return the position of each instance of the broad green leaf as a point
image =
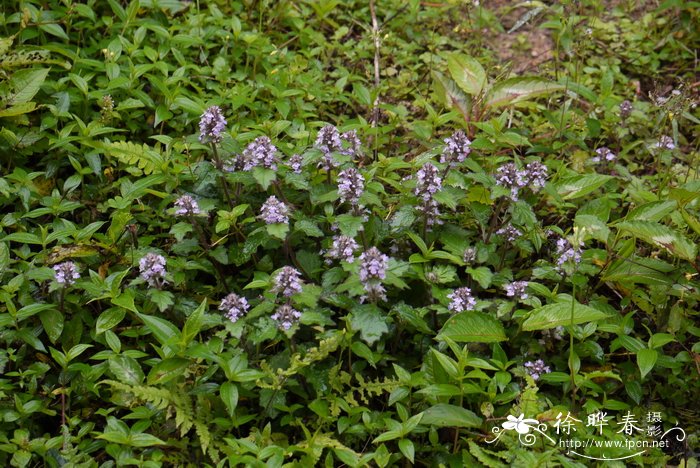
(264, 176)
(515, 90)
(52, 321)
(646, 359)
(229, 395)
(661, 236)
(18, 109)
(167, 370)
(474, 327)
(444, 415)
(193, 324)
(25, 85)
(407, 448)
(125, 300)
(277, 230)
(126, 370)
(370, 321)
(578, 186)
(467, 72)
(144, 440)
(654, 211)
(164, 331)
(559, 314)
(451, 95)
(640, 270)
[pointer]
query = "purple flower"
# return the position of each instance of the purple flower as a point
(353, 143)
(328, 140)
(566, 252)
(510, 177)
(431, 212)
(152, 268)
(234, 307)
(66, 273)
(343, 248)
(373, 265)
(211, 124)
(461, 299)
(509, 232)
(457, 148)
(536, 175)
(517, 289)
(260, 152)
(186, 206)
(287, 282)
(295, 163)
(603, 153)
(625, 109)
(274, 211)
(665, 142)
(536, 369)
(286, 316)
(428, 182)
(351, 184)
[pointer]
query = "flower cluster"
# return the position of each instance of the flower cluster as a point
(556, 334)
(351, 184)
(211, 124)
(353, 143)
(260, 152)
(428, 183)
(234, 307)
(566, 252)
(328, 140)
(469, 255)
(510, 232)
(186, 206)
(665, 142)
(537, 368)
(295, 163)
(517, 289)
(461, 299)
(625, 109)
(287, 282)
(152, 269)
(286, 316)
(603, 153)
(66, 273)
(373, 265)
(274, 211)
(343, 248)
(509, 176)
(457, 148)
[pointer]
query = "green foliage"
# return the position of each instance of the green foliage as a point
(174, 343)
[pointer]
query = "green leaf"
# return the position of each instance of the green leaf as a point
(229, 395)
(451, 95)
(661, 236)
(578, 186)
(52, 321)
(370, 321)
(164, 331)
(646, 359)
(26, 84)
(126, 300)
(126, 369)
(559, 314)
(444, 415)
(467, 72)
(193, 324)
(472, 327)
(349, 225)
(54, 29)
(264, 176)
(144, 440)
(407, 448)
(515, 90)
(167, 370)
(654, 211)
(277, 230)
(481, 275)
(308, 227)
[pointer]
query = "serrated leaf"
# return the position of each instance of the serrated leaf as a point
(646, 360)
(444, 415)
(472, 327)
(467, 72)
(578, 186)
(560, 314)
(370, 321)
(515, 90)
(661, 236)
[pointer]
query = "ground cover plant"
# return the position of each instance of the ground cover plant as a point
(325, 233)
